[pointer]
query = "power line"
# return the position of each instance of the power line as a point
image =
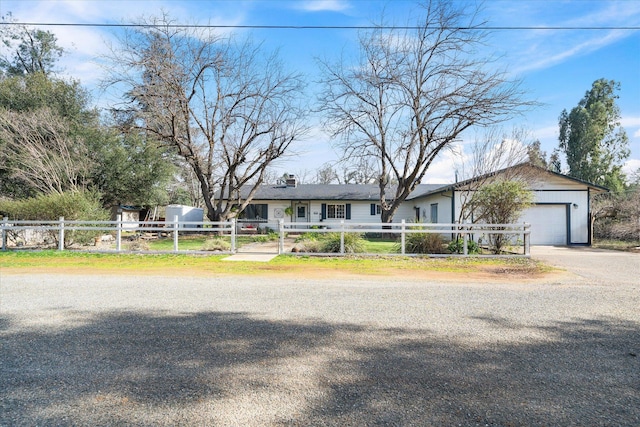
(324, 27)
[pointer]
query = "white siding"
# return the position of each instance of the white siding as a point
(549, 194)
(444, 207)
(578, 211)
(550, 190)
(548, 224)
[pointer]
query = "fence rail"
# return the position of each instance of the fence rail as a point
(233, 228)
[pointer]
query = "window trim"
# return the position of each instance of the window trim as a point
(325, 210)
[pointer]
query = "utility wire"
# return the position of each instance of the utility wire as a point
(322, 27)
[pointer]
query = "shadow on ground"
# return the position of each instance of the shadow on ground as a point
(230, 369)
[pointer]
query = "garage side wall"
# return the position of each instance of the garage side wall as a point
(578, 211)
(560, 215)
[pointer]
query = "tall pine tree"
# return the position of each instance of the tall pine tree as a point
(592, 139)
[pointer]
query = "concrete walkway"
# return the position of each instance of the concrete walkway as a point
(253, 257)
(259, 252)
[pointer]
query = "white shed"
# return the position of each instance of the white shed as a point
(184, 214)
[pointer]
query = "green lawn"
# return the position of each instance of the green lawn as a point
(189, 243)
(51, 261)
(381, 246)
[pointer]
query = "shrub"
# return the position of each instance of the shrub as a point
(77, 205)
(271, 236)
(310, 235)
(312, 246)
(457, 246)
(353, 243)
(501, 202)
(137, 245)
(216, 244)
(424, 243)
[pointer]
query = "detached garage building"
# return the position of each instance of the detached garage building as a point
(560, 215)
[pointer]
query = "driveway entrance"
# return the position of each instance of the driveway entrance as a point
(593, 265)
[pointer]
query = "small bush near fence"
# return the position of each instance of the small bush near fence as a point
(457, 247)
(330, 243)
(76, 205)
(216, 244)
(137, 245)
(427, 243)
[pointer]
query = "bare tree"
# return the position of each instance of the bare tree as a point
(493, 151)
(359, 171)
(326, 174)
(227, 109)
(617, 215)
(413, 93)
(32, 50)
(42, 151)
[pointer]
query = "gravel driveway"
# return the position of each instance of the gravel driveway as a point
(254, 351)
(592, 265)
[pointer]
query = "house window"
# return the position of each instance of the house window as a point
(434, 213)
(375, 209)
(256, 212)
(302, 211)
(335, 211)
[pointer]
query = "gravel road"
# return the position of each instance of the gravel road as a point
(90, 350)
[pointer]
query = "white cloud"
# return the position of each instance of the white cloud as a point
(631, 166)
(541, 58)
(630, 122)
(449, 161)
(612, 13)
(544, 48)
(323, 5)
(548, 132)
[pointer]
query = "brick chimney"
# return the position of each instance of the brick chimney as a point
(291, 181)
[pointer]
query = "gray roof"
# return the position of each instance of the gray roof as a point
(540, 170)
(364, 192)
(331, 192)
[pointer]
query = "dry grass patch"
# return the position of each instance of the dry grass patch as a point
(52, 262)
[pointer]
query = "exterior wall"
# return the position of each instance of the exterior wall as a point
(443, 201)
(130, 217)
(360, 212)
(274, 209)
(549, 190)
(578, 210)
(577, 196)
(553, 182)
(184, 213)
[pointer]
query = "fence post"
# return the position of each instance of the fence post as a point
(119, 232)
(5, 224)
(465, 241)
(527, 239)
(402, 237)
(342, 237)
(175, 233)
(233, 235)
(281, 232)
(61, 234)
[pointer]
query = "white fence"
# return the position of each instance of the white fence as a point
(232, 229)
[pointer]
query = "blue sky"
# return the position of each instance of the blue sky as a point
(556, 66)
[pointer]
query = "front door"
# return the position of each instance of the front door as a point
(301, 212)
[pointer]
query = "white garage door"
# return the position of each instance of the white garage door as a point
(548, 224)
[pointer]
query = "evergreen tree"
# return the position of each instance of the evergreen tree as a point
(591, 137)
